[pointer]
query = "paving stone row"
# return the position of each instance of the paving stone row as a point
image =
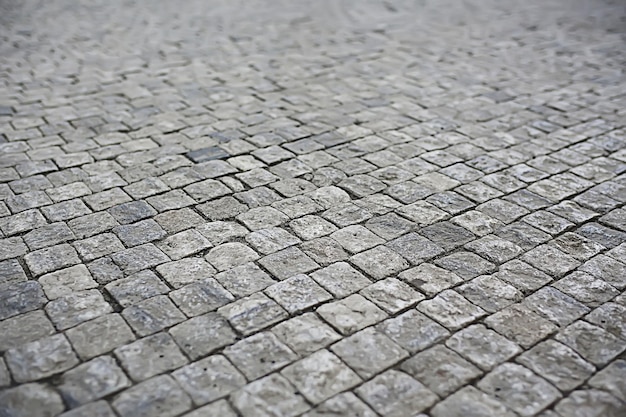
(372, 209)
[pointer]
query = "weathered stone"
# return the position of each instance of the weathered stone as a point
(320, 376)
(40, 359)
(92, 380)
(150, 356)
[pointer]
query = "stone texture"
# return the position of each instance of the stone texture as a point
(519, 389)
(160, 395)
(92, 380)
(40, 359)
(320, 376)
(150, 356)
(209, 379)
(437, 184)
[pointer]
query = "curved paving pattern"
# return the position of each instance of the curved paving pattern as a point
(330, 208)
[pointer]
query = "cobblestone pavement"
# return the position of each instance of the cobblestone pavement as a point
(312, 208)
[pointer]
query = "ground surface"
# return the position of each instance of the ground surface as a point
(318, 208)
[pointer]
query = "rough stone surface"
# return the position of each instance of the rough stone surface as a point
(312, 208)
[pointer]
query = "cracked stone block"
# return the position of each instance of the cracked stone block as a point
(495, 249)
(96, 409)
(41, 358)
(482, 346)
(311, 227)
(395, 394)
(11, 272)
(230, 255)
(99, 336)
(150, 356)
(24, 328)
(48, 235)
(413, 331)
(76, 308)
(522, 276)
(577, 246)
(98, 246)
(269, 396)
(51, 259)
(132, 212)
(347, 214)
(22, 222)
(520, 325)
(607, 269)
(441, 370)
(558, 364)
(342, 404)
(244, 280)
(152, 315)
(160, 396)
(368, 352)
(218, 408)
(379, 262)
(477, 222)
(611, 317)
(12, 248)
(465, 264)
(203, 334)
(305, 334)
(356, 238)
(502, 210)
(351, 314)
(389, 226)
(143, 231)
(92, 380)
(64, 282)
(555, 306)
(253, 313)
(209, 379)
(340, 279)
(611, 379)
(592, 342)
(451, 310)
(271, 240)
(200, 297)
(137, 287)
(519, 389)
(447, 235)
(287, 263)
(490, 293)
(392, 295)
(298, 293)
(207, 190)
(92, 224)
(220, 232)
(429, 278)
(223, 208)
(572, 212)
(422, 213)
(324, 251)
(104, 270)
(185, 271)
(414, 248)
(20, 297)
(589, 403)
(259, 355)
(550, 260)
(178, 220)
(262, 218)
(138, 258)
(31, 400)
(587, 289)
(183, 244)
(450, 202)
(320, 376)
